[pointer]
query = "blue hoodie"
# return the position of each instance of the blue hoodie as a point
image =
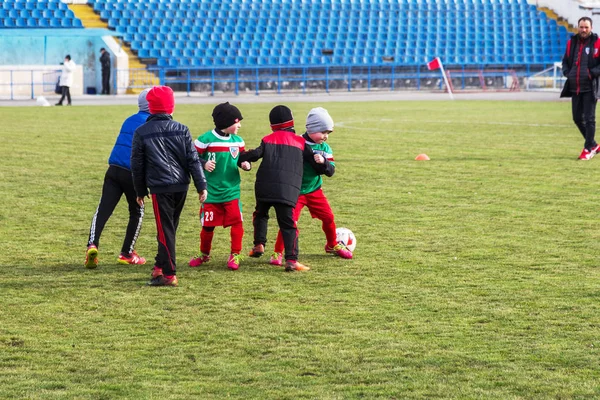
(121, 153)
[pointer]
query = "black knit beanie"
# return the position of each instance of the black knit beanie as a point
(280, 118)
(226, 115)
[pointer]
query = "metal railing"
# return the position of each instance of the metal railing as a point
(304, 79)
(280, 79)
(27, 84)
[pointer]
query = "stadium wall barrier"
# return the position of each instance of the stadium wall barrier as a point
(41, 48)
(19, 82)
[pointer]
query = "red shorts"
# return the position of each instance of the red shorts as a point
(317, 205)
(221, 214)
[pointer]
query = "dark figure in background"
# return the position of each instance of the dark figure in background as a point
(581, 67)
(105, 63)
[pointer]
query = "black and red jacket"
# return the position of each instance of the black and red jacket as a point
(576, 67)
(279, 176)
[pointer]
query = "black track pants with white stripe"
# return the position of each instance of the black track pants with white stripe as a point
(117, 181)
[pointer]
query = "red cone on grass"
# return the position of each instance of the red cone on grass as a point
(422, 157)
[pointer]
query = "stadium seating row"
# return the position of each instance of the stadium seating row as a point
(33, 5)
(205, 33)
(37, 14)
(41, 23)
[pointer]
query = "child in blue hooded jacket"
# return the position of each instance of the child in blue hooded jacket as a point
(118, 181)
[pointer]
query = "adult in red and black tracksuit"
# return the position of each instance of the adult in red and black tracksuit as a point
(581, 67)
(278, 181)
(162, 158)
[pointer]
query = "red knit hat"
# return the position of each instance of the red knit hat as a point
(161, 100)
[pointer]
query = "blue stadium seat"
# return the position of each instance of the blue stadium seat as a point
(55, 22)
(360, 31)
(21, 23)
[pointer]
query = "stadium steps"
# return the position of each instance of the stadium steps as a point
(139, 76)
(88, 17)
(559, 20)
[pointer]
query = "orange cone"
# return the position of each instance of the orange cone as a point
(422, 157)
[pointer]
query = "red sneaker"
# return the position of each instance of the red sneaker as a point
(291, 265)
(596, 149)
(156, 272)
(586, 155)
(91, 257)
(131, 259)
(164, 281)
(257, 251)
(199, 260)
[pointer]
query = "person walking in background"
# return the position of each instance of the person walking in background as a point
(162, 159)
(581, 67)
(278, 182)
(319, 125)
(66, 80)
(219, 149)
(105, 64)
(118, 181)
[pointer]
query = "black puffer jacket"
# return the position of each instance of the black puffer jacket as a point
(163, 157)
(279, 176)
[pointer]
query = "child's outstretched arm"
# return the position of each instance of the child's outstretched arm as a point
(251, 155)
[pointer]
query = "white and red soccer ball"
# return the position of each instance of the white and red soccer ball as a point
(346, 237)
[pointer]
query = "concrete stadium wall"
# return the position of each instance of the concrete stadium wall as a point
(31, 81)
(47, 47)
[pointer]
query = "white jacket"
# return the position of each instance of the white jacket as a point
(66, 78)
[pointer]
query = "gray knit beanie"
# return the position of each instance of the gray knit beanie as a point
(142, 102)
(318, 120)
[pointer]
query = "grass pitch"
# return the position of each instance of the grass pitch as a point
(476, 273)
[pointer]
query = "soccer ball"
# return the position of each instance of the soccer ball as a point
(346, 237)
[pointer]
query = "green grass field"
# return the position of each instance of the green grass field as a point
(476, 274)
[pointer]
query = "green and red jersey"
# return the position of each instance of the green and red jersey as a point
(311, 180)
(224, 181)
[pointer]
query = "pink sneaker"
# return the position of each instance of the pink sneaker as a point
(233, 263)
(586, 155)
(340, 250)
(276, 259)
(199, 260)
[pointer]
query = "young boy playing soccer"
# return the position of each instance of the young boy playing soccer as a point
(118, 181)
(162, 159)
(319, 125)
(278, 182)
(219, 150)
